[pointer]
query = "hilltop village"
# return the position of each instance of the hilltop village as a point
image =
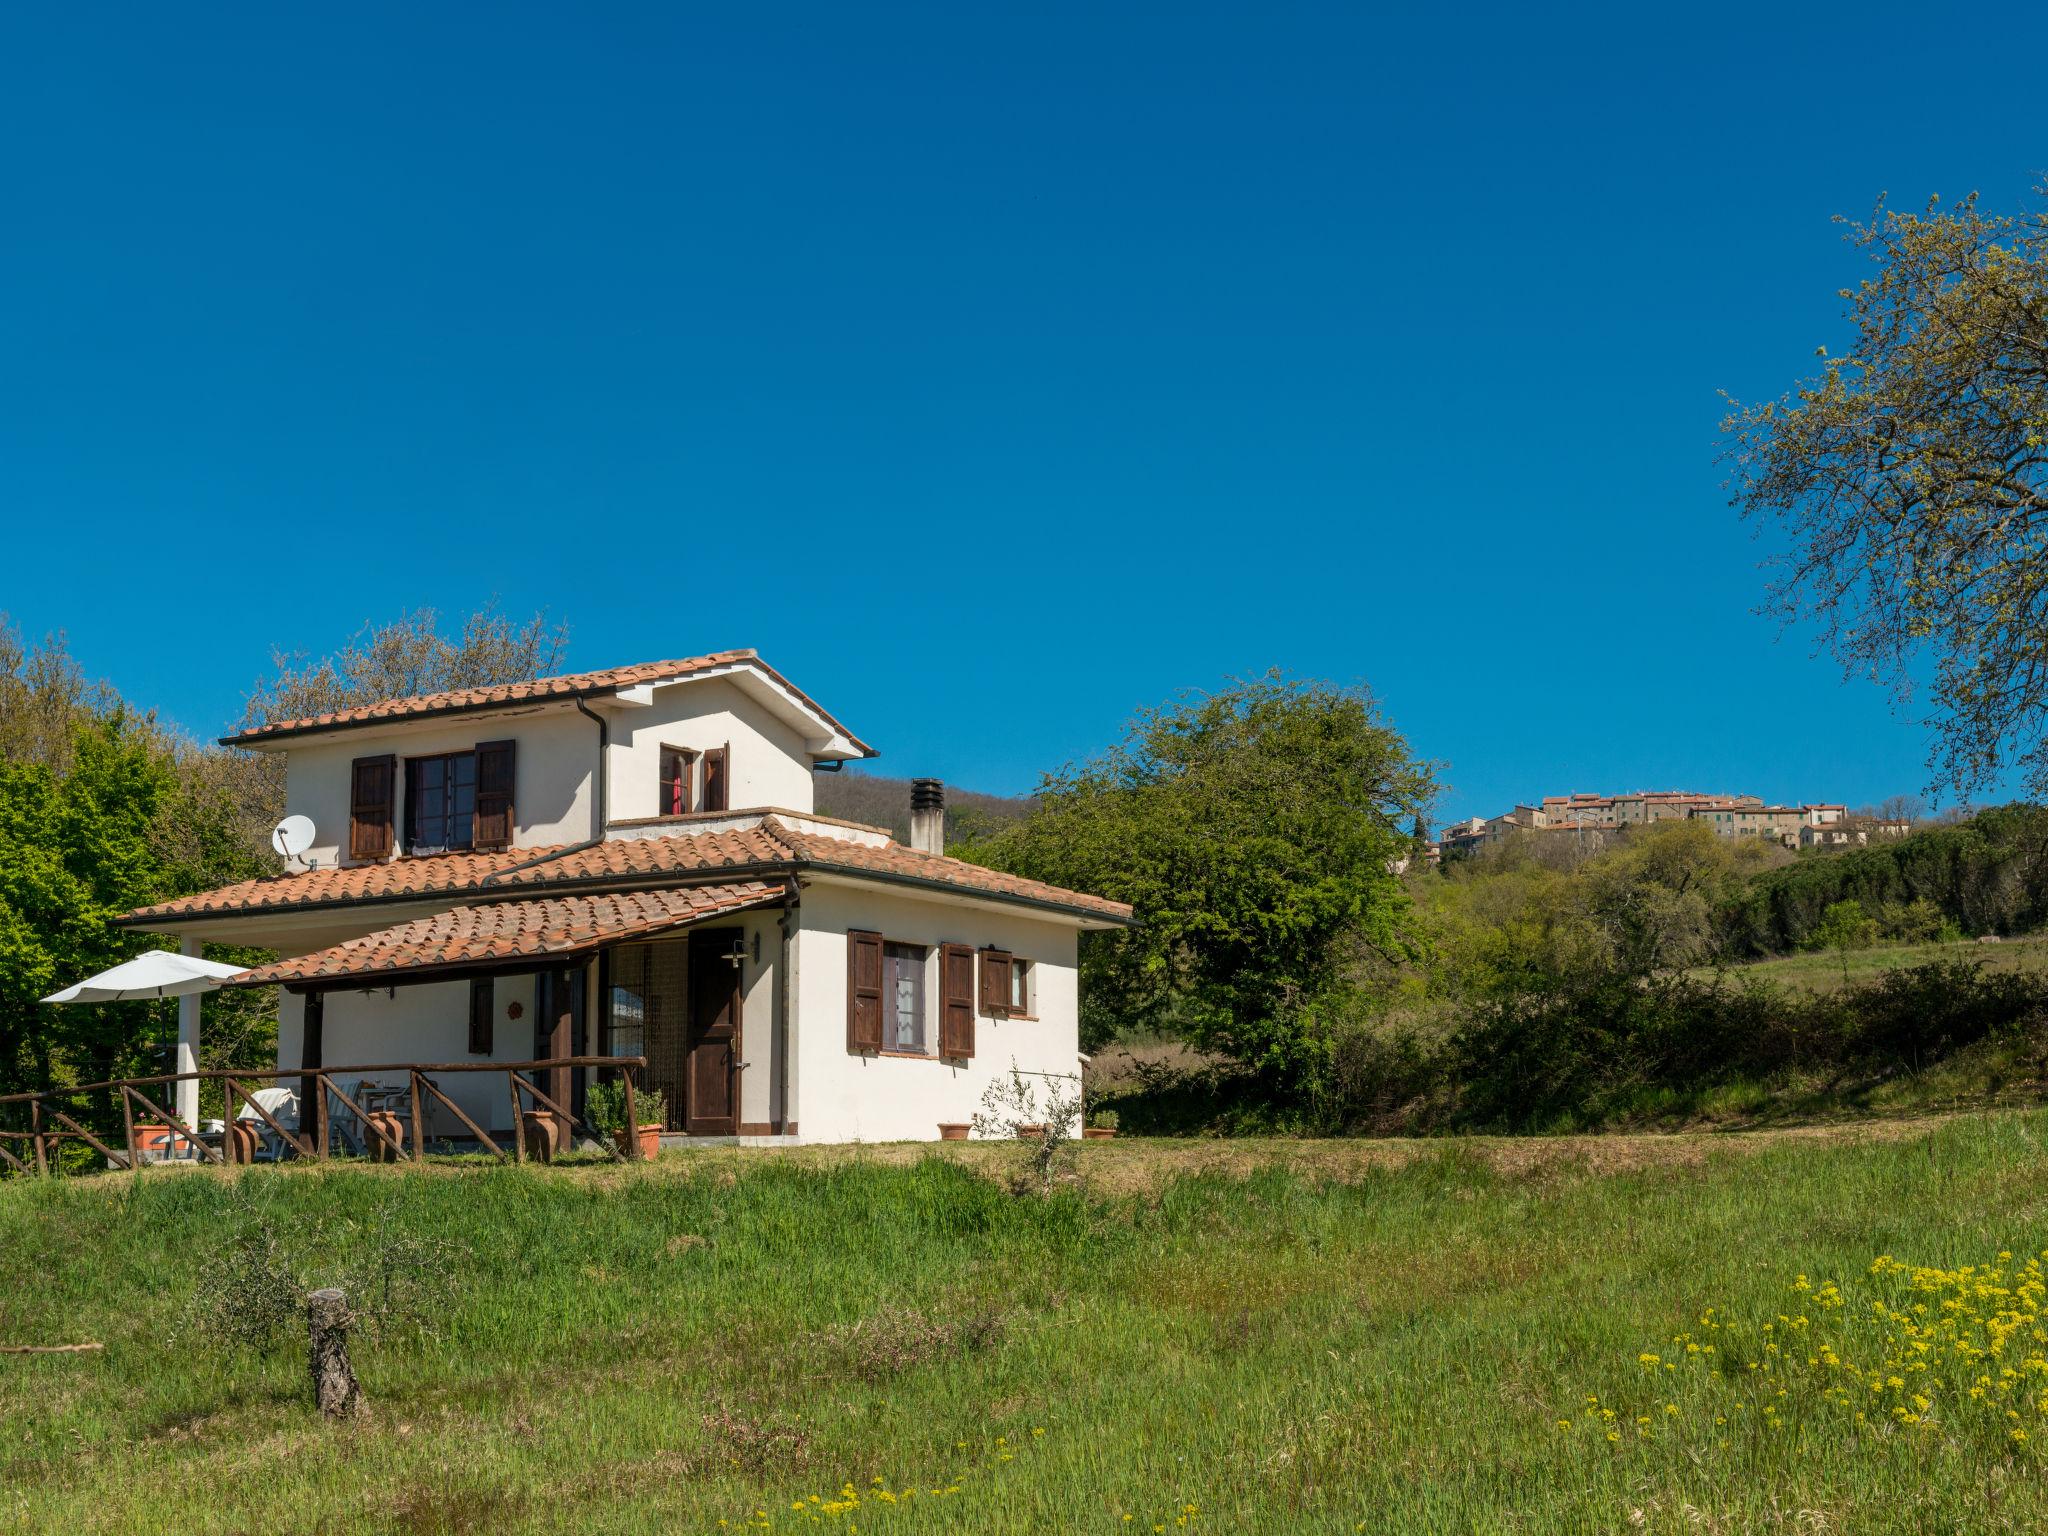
(1592, 819)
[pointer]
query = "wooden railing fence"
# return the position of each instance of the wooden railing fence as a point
(50, 1121)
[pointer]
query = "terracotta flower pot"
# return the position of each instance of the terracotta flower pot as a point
(1031, 1133)
(648, 1137)
(380, 1148)
(152, 1138)
(953, 1130)
(1098, 1132)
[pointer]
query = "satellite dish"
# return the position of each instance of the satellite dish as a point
(292, 836)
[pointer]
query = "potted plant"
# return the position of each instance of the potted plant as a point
(606, 1107)
(652, 1105)
(953, 1130)
(1101, 1125)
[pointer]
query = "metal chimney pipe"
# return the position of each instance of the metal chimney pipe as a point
(928, 816)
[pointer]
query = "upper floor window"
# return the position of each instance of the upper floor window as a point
(452, 800)
(678, 776)
(680, 793)
(440, 803)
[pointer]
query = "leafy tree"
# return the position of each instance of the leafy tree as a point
(406, 657)
(1844, 928)
(103, 810)
(1255, 831)
(74, 854)
(1911, 480)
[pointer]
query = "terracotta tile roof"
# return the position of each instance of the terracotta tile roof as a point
(771, 847)
(440, 874)
(514, 930)
(570, 685)
(779, 846)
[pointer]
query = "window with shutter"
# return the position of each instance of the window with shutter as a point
(863, 991)
(956, 997)
(995, 981)
(372, 782)
(496, 763)
(678, 765)
(717, 790)
(440, 802)
(483, 1017)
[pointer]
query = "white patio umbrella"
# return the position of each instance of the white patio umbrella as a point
(160, 973)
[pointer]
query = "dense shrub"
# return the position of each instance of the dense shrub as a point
(1533, 1062)
(1985, 875)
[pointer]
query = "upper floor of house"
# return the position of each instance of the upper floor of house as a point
(553, 761)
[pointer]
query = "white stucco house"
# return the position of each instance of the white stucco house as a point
(626, 863)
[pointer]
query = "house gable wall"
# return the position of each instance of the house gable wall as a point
(768, 764)
(841, 1096)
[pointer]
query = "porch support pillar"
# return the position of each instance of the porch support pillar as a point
(561, 995)
(187, 1057)
(312, 1046)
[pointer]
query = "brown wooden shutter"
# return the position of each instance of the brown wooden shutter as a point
(863, 991)
(717, 791)
(956, 997)
(373, 783)
(495, 764)
(995, 981)
(483, 1016)
(676, 763)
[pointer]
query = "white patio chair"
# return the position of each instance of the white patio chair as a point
(283, 1106)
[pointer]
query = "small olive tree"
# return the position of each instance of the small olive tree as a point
(1044, 1115)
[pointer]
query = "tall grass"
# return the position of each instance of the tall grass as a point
(702, 1344)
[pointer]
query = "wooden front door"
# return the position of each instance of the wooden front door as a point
(711, 1086)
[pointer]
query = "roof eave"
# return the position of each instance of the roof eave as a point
(723, 874)
(269, 737)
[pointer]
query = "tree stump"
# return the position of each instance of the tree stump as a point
(335, 1388)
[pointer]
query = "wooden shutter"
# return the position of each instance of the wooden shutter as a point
(717, 791)
(995, 981)
(373, 782)
(483, 1017)
(956, 1001)
(495, 764)
(863, 991)
(676, 763)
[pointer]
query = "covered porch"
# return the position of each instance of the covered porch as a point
(685, 982)
(514, 1028)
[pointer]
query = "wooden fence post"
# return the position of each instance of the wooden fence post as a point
(518, 1118)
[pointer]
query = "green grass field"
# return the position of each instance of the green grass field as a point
(1267, 1337)
(1822, 970)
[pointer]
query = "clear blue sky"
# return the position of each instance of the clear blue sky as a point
(992, 372)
